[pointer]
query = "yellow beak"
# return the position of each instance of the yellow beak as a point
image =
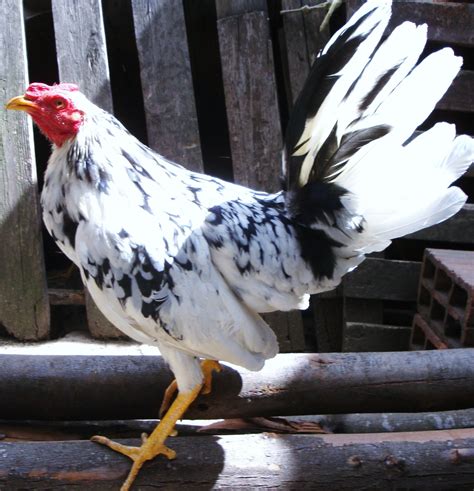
(20, 104)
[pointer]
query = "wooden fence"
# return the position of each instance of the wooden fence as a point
(214, 88)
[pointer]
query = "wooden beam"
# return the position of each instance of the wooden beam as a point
(448, 22)
(363, 336)
(383, 279)
(165, 69)
(319, 462)
(24, 308)
(125, 387)
(460, 96)
(459, 228)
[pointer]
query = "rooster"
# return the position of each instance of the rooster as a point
(157, 245)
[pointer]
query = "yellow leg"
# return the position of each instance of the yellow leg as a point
(153, 445)
(207, 367)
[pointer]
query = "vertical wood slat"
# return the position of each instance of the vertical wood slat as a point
(82, 59)
(24, 307)
(165, 70)
(253, 119)
(303, 40)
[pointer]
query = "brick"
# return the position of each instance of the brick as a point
(446, 296)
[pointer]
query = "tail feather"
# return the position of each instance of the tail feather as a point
(331, 78)
(402, 189)
(354, 141)
(391, 63)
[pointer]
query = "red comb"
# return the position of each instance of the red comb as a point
(37, 89)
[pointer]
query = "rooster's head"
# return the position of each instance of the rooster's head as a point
(55, 109)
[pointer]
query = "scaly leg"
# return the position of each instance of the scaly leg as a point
(153, 445)
(207, 367)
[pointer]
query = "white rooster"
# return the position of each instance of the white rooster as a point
(187, 262)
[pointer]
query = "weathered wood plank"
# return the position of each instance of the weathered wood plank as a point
(254, 124)
(303, 40)
(165, 70)
(363, 310)
(251, 100)
(82, 59)
(383, 279)
(328, 321)
(60, 296)
(459, 228)
(415, 460)
(229, 8)
(130, 387)
(460, 96)
(365, 337)
(24, 308)
(81, 49)
(448, 22)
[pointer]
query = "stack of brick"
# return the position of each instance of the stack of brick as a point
(445, 317)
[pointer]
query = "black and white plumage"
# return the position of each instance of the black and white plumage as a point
(187, 262)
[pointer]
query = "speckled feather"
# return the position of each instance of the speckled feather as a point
(174, 258)
(187, 262)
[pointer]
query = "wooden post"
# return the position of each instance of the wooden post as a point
(82, 59)
(167, 84)
(24, 307)
(254, 118)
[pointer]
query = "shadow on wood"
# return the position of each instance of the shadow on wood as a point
(127, 387)
(438, 460)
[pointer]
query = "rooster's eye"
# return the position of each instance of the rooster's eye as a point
(59, 103)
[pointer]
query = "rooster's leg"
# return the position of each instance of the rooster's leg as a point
(207, 367)
(153, 445)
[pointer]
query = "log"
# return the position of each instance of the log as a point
(165, 70)
(128, 387)
(24, 308)
(33, 430)
(434, 460)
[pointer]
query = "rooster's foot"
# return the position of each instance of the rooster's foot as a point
(153, 445)
(207, 367)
